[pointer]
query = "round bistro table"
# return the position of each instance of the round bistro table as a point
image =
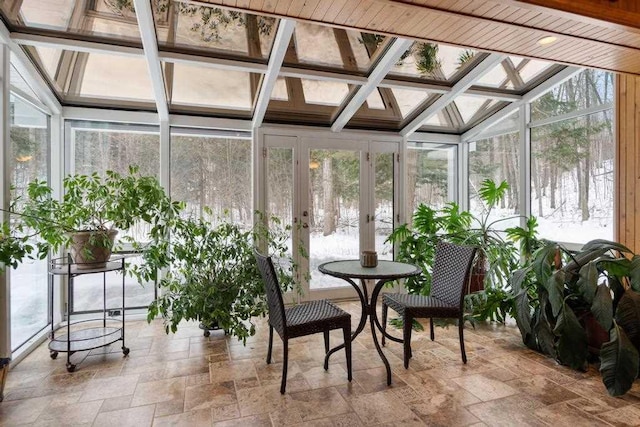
(385, 271)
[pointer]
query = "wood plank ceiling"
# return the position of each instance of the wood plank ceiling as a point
(510, 26)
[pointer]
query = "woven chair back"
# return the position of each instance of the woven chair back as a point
(274, 294)
(451, 272)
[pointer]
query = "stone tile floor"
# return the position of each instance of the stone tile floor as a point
(187, 379)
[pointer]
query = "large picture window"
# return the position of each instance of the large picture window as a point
(431, 175)
(99, 147)
(28, 160)
(214, 171)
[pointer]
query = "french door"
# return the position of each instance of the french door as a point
(338, 195)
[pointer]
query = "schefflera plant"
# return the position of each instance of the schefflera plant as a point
(557, 294)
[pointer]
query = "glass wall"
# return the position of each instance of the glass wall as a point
(209, 170)
(431, 174)
(99, 147)
(573, 160)
(28, 161)
(497, 159)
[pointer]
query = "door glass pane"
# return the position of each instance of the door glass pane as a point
(334, 211)
(280, 186)
(28, 161)
(383, 204)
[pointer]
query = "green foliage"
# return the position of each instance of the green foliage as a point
(416, 245)
(464, 57)
(211, 274)
(558, 291)
(426, 55)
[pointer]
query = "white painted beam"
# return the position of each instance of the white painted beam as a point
(150, 45)
(558, 78)
(280, 46)
(207, 61)
(483, 67)
(572, 115)
(75, 45)
(396, 49)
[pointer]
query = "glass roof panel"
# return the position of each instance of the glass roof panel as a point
(95, 75)
(209, 87)
(408, 99)
(279, 91)
(211, 29)
(496, 78)
(468, 106)
(18, 82)
(334, 47)
(324, 92)
(374, 101)
(532, 69)
(438, 120)
(102, 18)
(432, 61)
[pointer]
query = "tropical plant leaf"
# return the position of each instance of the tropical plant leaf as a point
(634, 273)
(543, 261)
(572, 339)
(544, 331)
(588, 281)
(615, 267)
(619, 362)
(521, 302)
(555, 288)
(606, 245)
(602, 306)
(628, 316)
(491, 193)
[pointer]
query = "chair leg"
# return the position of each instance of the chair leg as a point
(385, 308)
(461, 332)
(285, 362)
(270, 345)
(347, 349)
(406, 337)
(431, 328)
(326, 349)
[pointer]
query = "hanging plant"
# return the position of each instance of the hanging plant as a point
(426, 55)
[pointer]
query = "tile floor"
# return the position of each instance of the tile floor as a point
(187, 379)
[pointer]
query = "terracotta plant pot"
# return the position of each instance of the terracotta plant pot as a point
(92, 249)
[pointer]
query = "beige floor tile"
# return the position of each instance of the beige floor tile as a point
(74, 414)
(320, 403)
(105, 388)
(159, 391)
(209, 396)
(564, 415)
(22, 411)
(141, 416)
(542, 389)
(622, 417)
(380, 407)
(484, 388)
(508, 411)
(200, 418)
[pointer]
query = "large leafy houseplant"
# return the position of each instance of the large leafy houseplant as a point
(91, 212)
(210, 272)
(496, 257)
(559, 291)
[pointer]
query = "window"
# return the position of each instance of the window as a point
(572, 178)
(496, 159)
(99, 147)
(432, 171)
(29, 159)
(212, 171)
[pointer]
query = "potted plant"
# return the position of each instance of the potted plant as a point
(210, 272)
(558, 292)
(92, 211)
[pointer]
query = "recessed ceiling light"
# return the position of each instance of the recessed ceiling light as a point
(547, 40)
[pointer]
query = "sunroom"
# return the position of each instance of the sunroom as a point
(340, 118)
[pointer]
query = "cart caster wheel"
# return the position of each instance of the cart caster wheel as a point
(53, 354)
(207, 334)
(71, 367)
(125, 351)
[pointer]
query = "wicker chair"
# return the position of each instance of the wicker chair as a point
(300, 320)
(450, 275)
